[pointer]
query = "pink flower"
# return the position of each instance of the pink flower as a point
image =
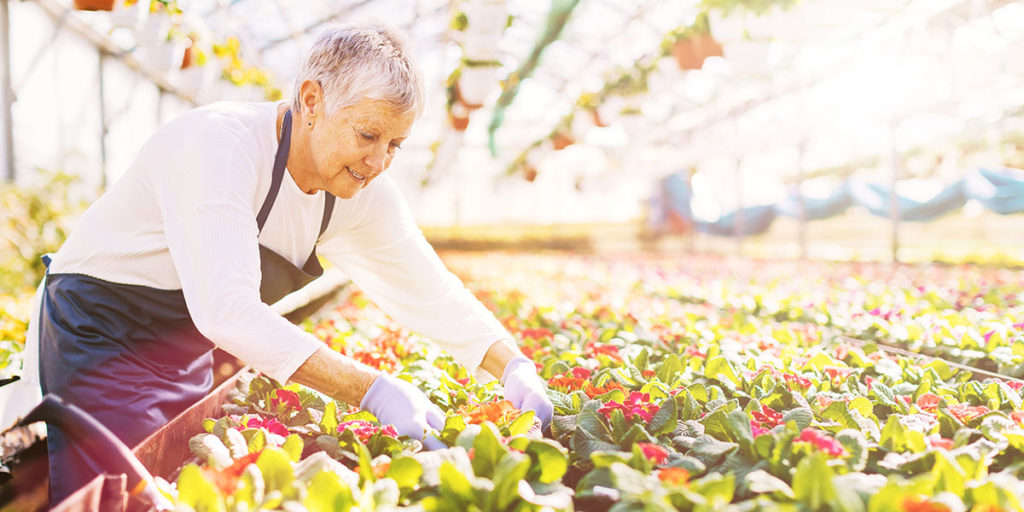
(270, 424)
(797, 380)
(581, 373)
(757, 430)
(822, 441)
(364, 429)
(1015, 385)
(289, 399)
(638, 404)
(837, 372)
(937, 441)
(654, 453)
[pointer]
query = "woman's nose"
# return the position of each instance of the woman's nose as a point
(376, 159)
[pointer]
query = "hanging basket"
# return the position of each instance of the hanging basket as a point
(690, 53)
(129, 16)
(529, 172)
(561, 141)
(458, 116)
(474, 84)
(94, 5)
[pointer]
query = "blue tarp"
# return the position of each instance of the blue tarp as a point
(999, 190)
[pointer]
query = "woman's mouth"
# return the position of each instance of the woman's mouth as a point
(356, 175)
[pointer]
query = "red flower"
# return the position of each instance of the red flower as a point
(929, 402)
(364, 429)
(694, 351)
(654, 453)
(581, 373)
(824, 401)
(539, 333)
(966, 413)
(567, 382)
(1018, 416)
(768, 417)
(289, 399)
(270, 424)
(647, 374)
(1015, 384)
(593, 350)
(638, 404)
(822, 441)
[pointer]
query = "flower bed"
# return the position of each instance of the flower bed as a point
(694, 385)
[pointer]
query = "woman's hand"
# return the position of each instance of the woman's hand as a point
(399, 403)
(525, 389)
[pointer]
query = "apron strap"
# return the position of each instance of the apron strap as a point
(280, 160)
(328, 210)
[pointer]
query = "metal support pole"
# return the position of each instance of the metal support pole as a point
(802, 230)
(894, 203)
(6, 94)
(739, 226)
(103, 121)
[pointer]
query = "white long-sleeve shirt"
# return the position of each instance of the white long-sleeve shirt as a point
(184, 217)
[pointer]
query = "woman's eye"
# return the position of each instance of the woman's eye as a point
(396, 146)
(367, 136)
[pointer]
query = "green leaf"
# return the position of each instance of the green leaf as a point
(550, 460)
(277, 471)
(257, 439)
(719, 369)
(949, 476)
(902, 433)
(521, 424)
(762, 482)
(666, 419)
(561, 401)
(455, 484)
(856, 444)
(329, 423)
(512, 468)
(210, 449)
(405, 471)
(293, 446)
(801, 415)
(812, 482)
(671, 367)
(710, 451)
(488, 450)
(197, 492)
(327, 492)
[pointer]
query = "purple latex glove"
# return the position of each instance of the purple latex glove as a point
(525, 389)
(396, 402)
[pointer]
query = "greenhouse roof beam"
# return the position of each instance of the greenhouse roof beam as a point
(104, 44)
(316, 24)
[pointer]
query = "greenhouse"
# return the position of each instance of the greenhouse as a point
(483, 255)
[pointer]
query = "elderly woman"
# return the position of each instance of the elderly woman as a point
(224, 211)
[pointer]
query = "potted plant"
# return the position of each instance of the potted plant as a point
(692, 45)
(592, 103)
(129, 14)
(476, 79)
(94, 5)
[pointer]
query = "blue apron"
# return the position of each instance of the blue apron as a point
(130, 355)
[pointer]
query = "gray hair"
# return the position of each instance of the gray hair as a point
(357, 61)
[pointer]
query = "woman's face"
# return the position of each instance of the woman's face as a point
(354, 145)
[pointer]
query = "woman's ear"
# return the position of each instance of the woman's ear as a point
(311, 98)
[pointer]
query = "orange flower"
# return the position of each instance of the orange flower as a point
(592, 390)
(226, 479)
(922, 504)
(674, 476)
(499, 411)
(929, 402)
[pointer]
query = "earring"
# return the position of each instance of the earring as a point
(309, 124)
